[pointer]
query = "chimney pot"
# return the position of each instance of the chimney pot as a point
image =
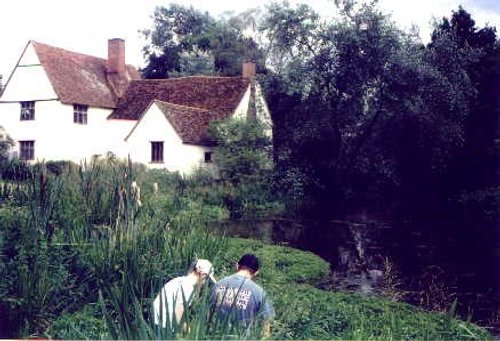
(116, 56)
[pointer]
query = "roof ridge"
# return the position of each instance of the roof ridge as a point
(66, 50)
(72, 52)
(188, 77)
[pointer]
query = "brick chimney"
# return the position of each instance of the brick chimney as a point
(248, 69)
(117, 75)
(116, 56)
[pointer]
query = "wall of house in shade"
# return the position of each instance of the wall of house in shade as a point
(262, 110)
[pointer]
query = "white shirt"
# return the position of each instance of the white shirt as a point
(177, 291)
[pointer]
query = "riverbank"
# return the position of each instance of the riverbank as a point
(418, 264)
(305, 312)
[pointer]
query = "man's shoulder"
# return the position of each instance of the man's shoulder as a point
(174, 283)
(227, 279)
(237, 280)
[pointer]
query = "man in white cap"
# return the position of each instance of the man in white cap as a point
(178, 293)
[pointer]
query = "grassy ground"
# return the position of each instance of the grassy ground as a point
(304, 312)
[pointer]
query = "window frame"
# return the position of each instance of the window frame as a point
(80, 114)
(27, 150)
(157, 152)
(27, 111)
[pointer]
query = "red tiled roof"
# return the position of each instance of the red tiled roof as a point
(79, 78)
(189, 123)
(189, 103)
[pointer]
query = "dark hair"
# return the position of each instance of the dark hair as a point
(249, 261)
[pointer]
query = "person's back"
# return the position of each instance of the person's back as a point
(178, 291)
(241, 296)
(176, 295)
(238, 298)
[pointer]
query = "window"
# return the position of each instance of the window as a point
(208, 157)
(157, 151)
(27, 111)
(27, 150)
(80, 113)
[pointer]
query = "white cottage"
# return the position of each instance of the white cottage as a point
(61, 105)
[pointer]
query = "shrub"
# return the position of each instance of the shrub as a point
(280, 264)
(87, 323)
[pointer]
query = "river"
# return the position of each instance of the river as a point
(430, 265)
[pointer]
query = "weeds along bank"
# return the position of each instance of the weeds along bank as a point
(84, 250)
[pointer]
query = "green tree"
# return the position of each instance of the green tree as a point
(474, 168)
(6, 144)
(185, 41)
(358, 104)
(176, 29)
(243, 152)
(243, 155)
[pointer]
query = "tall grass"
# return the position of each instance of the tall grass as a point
(36, 285)
(68, 236)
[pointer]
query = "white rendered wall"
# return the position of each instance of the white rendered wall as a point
(55, 134)
(263, 113)
(177, 156)
(116, 132)
(242, 108)
(28, 81)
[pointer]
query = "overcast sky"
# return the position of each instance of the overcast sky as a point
(85, 25)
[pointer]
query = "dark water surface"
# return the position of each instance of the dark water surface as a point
(429, 265)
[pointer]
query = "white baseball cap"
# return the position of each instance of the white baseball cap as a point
(205, 267)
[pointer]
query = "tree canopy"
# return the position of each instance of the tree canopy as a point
(184, 41)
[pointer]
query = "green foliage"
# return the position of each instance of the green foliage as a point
(185, 41)
(85, 324)
(362, 111)
(312, 313)
(36, 265)
(76, 230)
(280, 264)
(243, 156)
(6, 143)
(243, 150)
(16, 170)
(473, 170)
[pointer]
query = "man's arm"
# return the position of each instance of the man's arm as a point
(268, 314)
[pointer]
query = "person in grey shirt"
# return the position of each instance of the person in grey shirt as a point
(238, 297)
